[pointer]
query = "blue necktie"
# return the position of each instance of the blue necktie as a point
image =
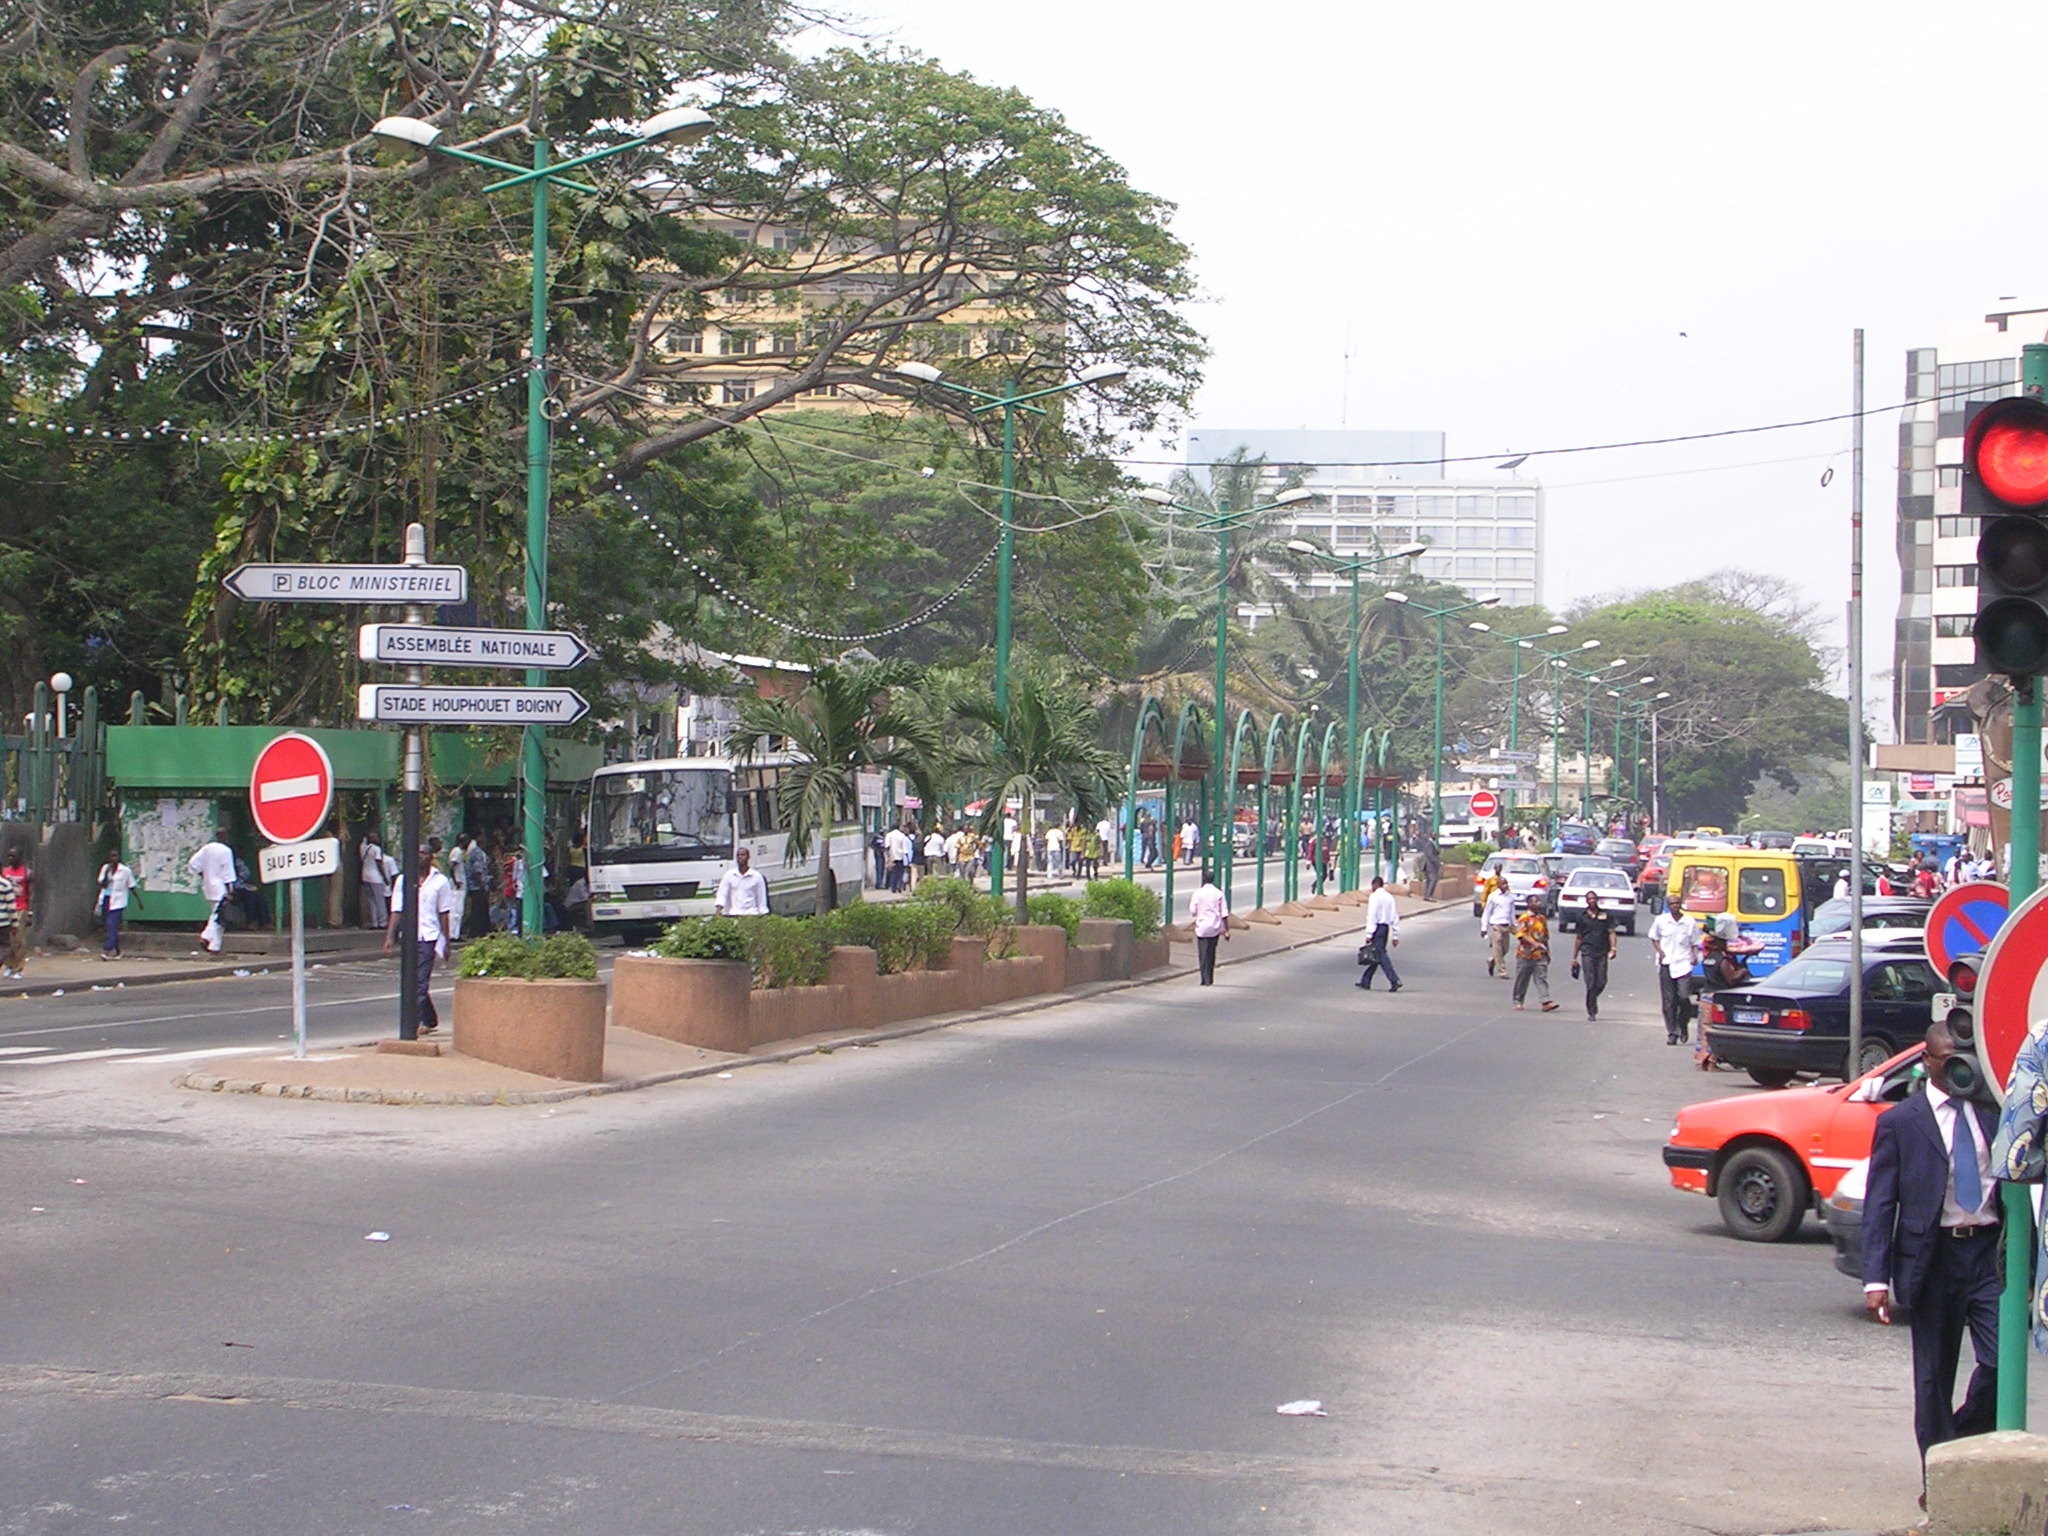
(1963, 1154)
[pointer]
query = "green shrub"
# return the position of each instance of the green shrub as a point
(1475, 853)
(930, 936)
(1125, 899)
(973, 913)
(786, 951)
(905, 936)
(568, 956)
(703, 938)
(1053, 909)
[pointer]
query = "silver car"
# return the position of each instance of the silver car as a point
(1523, 872)
(1617, 897)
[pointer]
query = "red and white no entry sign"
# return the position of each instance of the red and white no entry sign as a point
(291, 788)
(1484, 804)
(2012, 987)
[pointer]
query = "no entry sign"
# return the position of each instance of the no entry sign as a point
(2012, 988)
(1484, 804)
(291, 788)
(1964, 921)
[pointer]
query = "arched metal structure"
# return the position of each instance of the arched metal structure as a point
(1275, 731)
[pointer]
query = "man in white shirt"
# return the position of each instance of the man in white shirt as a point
(1675, 938)
(1209, 911)
(1383, 918)
(742, 890)
(435, 922)
(1056, 851)
(936, 858)
(956, 840)
(214, 866)
(1190, 840)
(1497, 926)
(897, 841)
(376, 883)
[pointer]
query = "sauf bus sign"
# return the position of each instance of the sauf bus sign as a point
(291, 790)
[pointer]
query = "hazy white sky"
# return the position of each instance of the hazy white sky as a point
(1565, 224)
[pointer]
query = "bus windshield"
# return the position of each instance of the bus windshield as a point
(661, 813)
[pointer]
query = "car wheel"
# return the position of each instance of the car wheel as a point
(1873, 1054)
(1771, 1077)
(1762, 1194)
(1629, 928)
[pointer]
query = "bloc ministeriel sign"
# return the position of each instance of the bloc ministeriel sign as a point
(349, 583)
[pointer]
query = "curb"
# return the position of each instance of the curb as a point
(207, 1082)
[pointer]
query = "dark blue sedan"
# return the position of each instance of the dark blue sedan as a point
(1797, 1019)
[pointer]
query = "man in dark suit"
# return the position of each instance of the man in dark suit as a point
(1931, 1244)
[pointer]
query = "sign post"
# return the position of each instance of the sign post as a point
(291, 789)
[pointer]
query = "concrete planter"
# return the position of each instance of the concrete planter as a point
(553, 1028)
(1114, 934)
(1150, 954)
(1048, 941)
(784, 1013)
(693, 1002)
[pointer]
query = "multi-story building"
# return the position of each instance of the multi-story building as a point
(1382, 490)
(1934, 660)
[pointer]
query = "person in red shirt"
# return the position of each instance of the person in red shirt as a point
(14, 881)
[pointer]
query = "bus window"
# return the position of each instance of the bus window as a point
(1706, 888)
(681, 811)
(756, 795)
(1761, 890)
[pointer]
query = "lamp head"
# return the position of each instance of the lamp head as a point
(1490, 602)
(1396, 597)
(679, 125)
(1303, 547)
(1527, 645)
(60, 682)
(1157, 495)
(1612, 694)
(924, 373)
(1289, 498)
(407, 130)
(1409, 551)
(1558, 629)
(1480, 627)
(1665, 694)
(1590, 645)
(1102, 373)
(1619, 661)
(1644, 682)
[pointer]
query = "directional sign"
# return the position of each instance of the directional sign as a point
(408, 704)
(427, 645)
(300, 861)
(290, 788)
(349, 583)
(1516, 786)
(2012, 987)
(1963, 922)
(1484, 804)
(1512, 755)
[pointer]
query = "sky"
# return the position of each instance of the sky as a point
(1546, 226)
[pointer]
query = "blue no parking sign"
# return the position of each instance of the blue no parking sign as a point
(1963, 922)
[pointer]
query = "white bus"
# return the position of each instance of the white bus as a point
(662, 833)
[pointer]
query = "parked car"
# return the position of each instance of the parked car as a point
(1623, 852)
(1576, 837)
(1617, 897)
(1524, 872)
(1770, 839)
(1765, 1157)
(1842, 1212)
(1832, 916)
(1797, 1018)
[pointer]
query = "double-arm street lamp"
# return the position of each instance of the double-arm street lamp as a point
(1223, 524)
(1354, 567)
(1436, 807)
(1521, 643)
(675, 125)
(1009, 402)
(1592, 679)
(1619, 693)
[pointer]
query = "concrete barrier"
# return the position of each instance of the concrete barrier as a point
(1152, 954)
(1988, 1485)
(784, 1013)
(1118, 935)
(552, 1027)
(693, 1002)
(1048, 941)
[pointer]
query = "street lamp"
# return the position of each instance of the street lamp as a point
(1591, 678)
(1223, 524)
(1009, 402)
(1436, 811)
(1619, 693)
(60, 684)
(676, 125)
(1347, 873)
(1520, 643)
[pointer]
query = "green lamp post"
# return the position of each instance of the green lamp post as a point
(1592, 679)
(674, 125)
(1223, 524)
(1521, 643)
(1619, 693)
(1347, 876)
(1436, 812)
(1009, 402)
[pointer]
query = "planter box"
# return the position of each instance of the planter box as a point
(1150, 954)
(1004, 981)
(1048, 941)
(693, 1002)
(1114, 933)
(783, 1013)
(552, 1028)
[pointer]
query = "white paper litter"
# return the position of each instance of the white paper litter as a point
(58, 993)
(725, 1074)
(1303, 1408)
(239, 971)
(376, 1237)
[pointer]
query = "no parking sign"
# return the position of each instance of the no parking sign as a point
(1964, 921)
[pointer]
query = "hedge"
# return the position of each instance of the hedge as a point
(564, 956)
(1126, 899)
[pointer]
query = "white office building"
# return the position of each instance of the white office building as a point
(1381, 490)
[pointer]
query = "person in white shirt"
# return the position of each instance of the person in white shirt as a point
(955, 841)
(1209, 911)
(1676, 939)
(897, 841)
(434, 924)
(376, 883)
(214, 867)
(1384, 919)
(1497, 927)
(116, 881)
(1190, 840)
(935, 856)
(742, 890)
(1056, 851)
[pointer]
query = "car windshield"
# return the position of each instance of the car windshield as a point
(1597, 880)
(1810, 973)
(682, 812)
(1617, 848)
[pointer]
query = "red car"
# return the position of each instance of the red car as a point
(1768, 1157)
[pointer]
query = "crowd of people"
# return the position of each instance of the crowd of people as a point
(488, 882)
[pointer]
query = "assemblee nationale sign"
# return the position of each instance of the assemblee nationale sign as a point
(427, 645)
(349, 583)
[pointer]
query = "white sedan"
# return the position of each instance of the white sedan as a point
(1617, 897)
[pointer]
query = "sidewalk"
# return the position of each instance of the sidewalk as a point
(374, 1073)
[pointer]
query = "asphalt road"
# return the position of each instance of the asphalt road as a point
(1050, 1274)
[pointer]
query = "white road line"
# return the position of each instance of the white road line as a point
(49, 1061)
(218, 1050)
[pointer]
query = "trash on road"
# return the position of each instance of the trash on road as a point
(725, 1074)
(241, 972)
(376, 1237)
(1303, 1408)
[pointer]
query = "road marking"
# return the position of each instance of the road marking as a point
(209, 1013)
(20, 1050)
(99, 1055)
(218, 1050)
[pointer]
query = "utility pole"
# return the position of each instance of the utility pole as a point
(1856, 750)
(409, 825)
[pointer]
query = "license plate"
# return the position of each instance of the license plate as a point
(665, 909)
(1751, 1016)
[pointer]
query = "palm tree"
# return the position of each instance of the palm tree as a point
(848, 716)
(1047, 740)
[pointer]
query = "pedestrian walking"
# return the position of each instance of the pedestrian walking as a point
(476, 863)
(742, 890)
(213, 866)
(376, 881)
(1056, 851)
(1432, 868)
(1383, 921)
(433, 925)
(936, 861)
(116, 880)
(1209, 911)
(1931, 1227)
(1497, 926)
(878, 851)
(1532, 956)
(14, 912)
(1675, 939)
(1592, 947)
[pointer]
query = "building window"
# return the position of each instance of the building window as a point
(1352, 535)
(1474, 506)
(1474, 568)
(1960, 676)
(784, 342)
(1436, 567)
(1955, 527)
(828, 391)
(1955, 575)
(686, 341)
(1433, 506)
(1953, 626)
(1514, 565)
(1517, 505)
(737, 391)
(1963, 383)
(1515, 535)
(1433, 533)
(737, 344)
(1475, 536)
(1397, 534)
(1950, 476)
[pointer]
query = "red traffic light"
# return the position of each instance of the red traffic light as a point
(2005, 447)
(1962, 974)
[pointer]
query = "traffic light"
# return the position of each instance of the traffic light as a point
(2005, 487)
(1964, 1078)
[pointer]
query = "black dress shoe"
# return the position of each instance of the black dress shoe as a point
(1362, 986)
(1393, 989)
